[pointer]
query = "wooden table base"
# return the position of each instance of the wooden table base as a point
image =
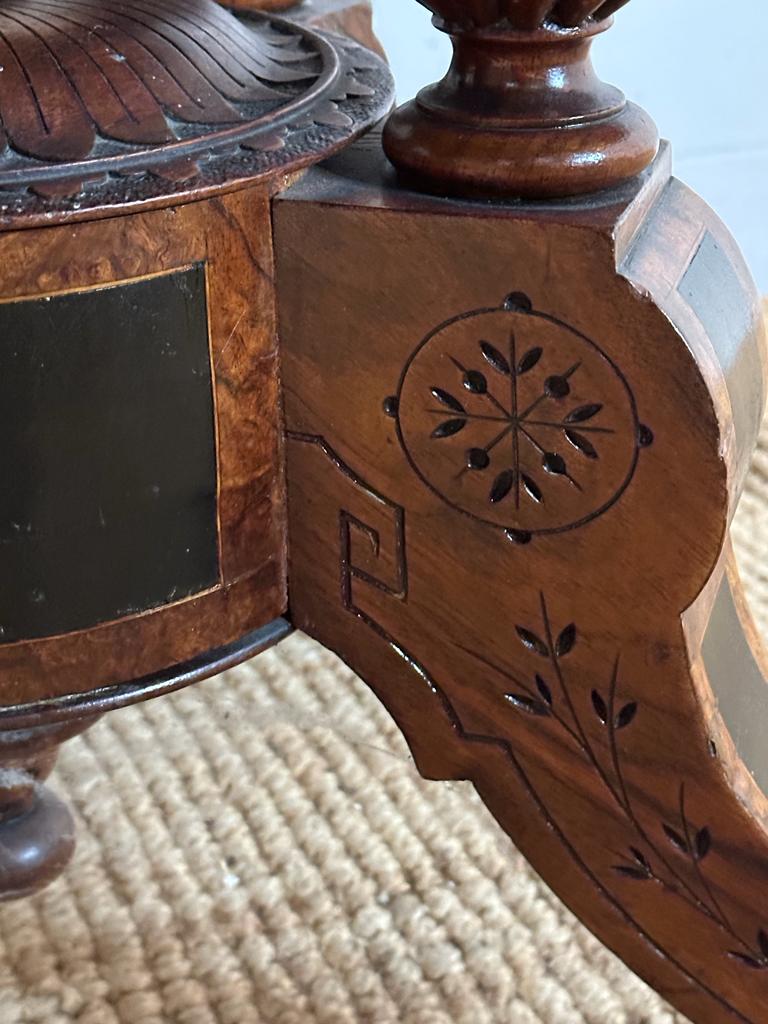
(488, 451)
(143, 524)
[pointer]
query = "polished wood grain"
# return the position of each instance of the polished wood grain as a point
(521, 112)
(514, 436)
(231, 236)
(141, 150)
(312, 94)
(508, 505)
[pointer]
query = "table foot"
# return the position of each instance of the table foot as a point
(37, 830)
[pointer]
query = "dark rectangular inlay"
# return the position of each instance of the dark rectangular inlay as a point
(107, 454)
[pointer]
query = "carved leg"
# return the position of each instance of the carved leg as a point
(37, 833)
(510, 472)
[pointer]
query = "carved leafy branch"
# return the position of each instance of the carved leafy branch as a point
(646, 861)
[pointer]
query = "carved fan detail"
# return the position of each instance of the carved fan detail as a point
(127, 70)
(104, 102)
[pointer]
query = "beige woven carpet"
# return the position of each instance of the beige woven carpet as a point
(260, 849)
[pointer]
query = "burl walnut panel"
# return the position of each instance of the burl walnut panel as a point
(230, 237)
(512, 458)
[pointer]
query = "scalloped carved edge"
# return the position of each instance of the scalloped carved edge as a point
(355, 95)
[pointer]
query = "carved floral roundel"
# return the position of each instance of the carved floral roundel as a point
(516, 419)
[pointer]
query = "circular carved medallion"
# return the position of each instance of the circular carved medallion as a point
(518, 420)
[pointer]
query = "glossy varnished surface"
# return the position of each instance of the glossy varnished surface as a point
(523, 16)
(514, 437)
(212, 662)
(37, 831)
(520, 112)
(142, 530)
(193, 568)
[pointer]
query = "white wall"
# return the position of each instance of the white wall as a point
(697, 71)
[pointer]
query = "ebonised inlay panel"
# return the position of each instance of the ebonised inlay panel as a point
(108, 503)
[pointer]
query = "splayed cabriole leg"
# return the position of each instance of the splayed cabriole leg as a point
(516, 435)
(37, 832)
(507, 509)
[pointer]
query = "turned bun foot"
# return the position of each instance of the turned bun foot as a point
(35, 846)
(37, 831)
